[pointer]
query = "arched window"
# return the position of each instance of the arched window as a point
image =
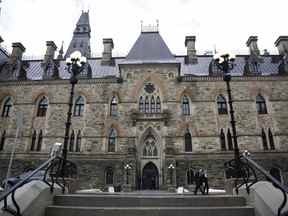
(150, 148)
(222, 140)
(222, 105)
(40, 140)
(185, 105)
(158, 105)
(153, 105)
(78, 141)
(261, 105)
(109, 176)
(264, 140)
(188, 142)
(7, 107)
(112, 140)
(33, 141)
(79, 106)
(229, 139)
(2, 141)
(190, 176)
(71, 143)
(147, 110)
(141, 105)
(271, 139)
(113, 106)
(42, 107)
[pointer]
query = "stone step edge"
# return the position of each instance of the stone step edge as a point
(149, 196)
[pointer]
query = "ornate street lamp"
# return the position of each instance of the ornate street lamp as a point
(171, 168)
(225, 62)
(75, 65)
(127, 167)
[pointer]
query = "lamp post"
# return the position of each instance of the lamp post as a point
(225, 63)
(171, 167)
(75, 65)
(127, 167)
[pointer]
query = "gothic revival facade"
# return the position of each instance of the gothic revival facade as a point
(148, 119)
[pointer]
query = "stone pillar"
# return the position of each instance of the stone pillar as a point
(191, 51)
(253, 46)
(107, 53)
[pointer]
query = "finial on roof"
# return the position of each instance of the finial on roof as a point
(61, 52)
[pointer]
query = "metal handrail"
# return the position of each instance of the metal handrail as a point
(53, 167)
(276, 183)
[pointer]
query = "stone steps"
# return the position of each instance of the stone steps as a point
(148, 204)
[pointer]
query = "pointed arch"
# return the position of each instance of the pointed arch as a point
(112, 140)
(71, 142)
(33, 141)
(221, 105)
(229, 140)
(153, 104)
(79, 106)
(114, 106)
(78, 141)
(222, 140)
(150, 148)
(40, 140)
(158, 105)
(42, 106)
(188, 141)
(264, 140)
(271, 139)
(147, 110)
(7, 106)
(185, 105)
(261, 104)
(141, 105)
(3, 139)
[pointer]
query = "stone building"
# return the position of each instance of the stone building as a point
(148, 119)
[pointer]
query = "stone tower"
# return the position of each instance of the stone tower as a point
(81, 37)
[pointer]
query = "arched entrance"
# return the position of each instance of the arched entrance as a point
(150, 177)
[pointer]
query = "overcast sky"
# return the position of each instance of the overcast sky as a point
(226, 24)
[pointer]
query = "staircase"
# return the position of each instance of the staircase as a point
(148, 204)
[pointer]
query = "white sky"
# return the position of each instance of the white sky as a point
(224, 23)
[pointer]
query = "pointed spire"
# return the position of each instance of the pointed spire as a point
(81, 37)
(61, 52)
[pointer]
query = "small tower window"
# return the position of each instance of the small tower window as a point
(158, 105)
(264, 140)
(141, 105)
(185, 105)
(71, 143)
(2, 141)
(7, 107)
(79, 106)
(229, 139)
(188, 141)
(147, 110)
(113, 106)
(78, 141)
(261, 105)
(222, 105)
(40, 140)
(112, 140)
(153, 105)
(222, 140)
(42, 107)
(33, 141)
(271, 139)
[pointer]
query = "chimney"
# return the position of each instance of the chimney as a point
(252, 44)
(17, 53)
(282, 45)
(191, 57)
(50, 51)
(107, 53)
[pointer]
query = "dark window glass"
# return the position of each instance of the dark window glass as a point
(261, 105)
(33, 141)
(40, 140)
(229, 139)
(112, 140)
(222, 105)
(264, 140)
(147, 110)
(190, 176)
(141, 105)
(71, 143)
(113, 106)
(7, 107)
(79, 106)
(2, 141)
(185, 105)
(153, 105)
(42, 107)
(222, 140)
(158, 105)
(78, 141)
(271, 140)
(109, 176)
(188, 142)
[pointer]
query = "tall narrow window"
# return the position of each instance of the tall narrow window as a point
(264, 140)
(188, 142)
(42, 107)
(33, 141)
(185, 105)
(229, 139)
(40, 140)
(222, 105)
(190, 176)
(78, 141)
(141, 105)
(271, 140)
(222, 140)
(158, 105)
(261, 105)
(150, 148)
(109, 176)
(79, 106)
(112, 140)
(7, 107)
(71, 143)
(147, 104)
(2, 141)
(113, 106)
(153, 105)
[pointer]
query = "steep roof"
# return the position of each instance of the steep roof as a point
(150, 48)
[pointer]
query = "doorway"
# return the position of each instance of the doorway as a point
(150, 177)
